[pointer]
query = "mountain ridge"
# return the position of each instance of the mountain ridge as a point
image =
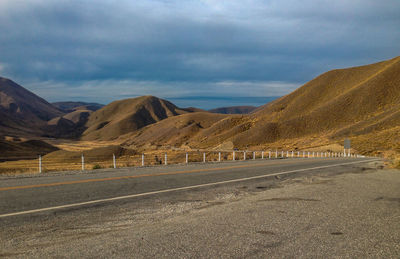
(234, 109)
(22, 111)
(330, 105)
(125, 116)
(342, 103)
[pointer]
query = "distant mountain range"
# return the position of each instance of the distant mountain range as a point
(74, 106)
(234, 110)
(125, 116)
(362, 103)
(21, 111)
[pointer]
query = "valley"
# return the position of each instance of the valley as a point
(359, 103)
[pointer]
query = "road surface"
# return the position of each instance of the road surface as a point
(50, 192)
(263, 208)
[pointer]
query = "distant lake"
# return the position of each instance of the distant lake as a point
(206, 103)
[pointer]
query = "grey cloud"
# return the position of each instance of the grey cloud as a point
(191, 44)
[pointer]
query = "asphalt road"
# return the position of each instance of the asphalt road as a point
(304, 208)
(47, 192)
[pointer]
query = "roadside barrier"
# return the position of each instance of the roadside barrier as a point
(84, 162)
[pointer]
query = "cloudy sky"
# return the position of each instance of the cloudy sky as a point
(187, 50)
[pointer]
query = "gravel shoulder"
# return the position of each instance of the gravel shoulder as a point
(323, 214)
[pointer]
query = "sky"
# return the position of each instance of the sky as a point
(199, 52)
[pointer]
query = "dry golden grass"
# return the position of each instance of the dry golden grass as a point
(11, 150)
(175, 131)
(126, 116)
(396, 162)
(71, 145)
(344, 103)
(22, 113)
(361, 103)
(100, 158)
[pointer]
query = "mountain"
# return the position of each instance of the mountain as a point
(13, 150)
(68, 126)
(125, 116)
(175, 131)
(353, 102)
(360, 103)
(68, 107)
(340, 103)
(234, 110)
(21, 111)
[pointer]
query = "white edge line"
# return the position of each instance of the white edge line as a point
(172, 190)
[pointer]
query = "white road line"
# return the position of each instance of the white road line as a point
(173, 190)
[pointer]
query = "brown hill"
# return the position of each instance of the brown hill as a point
(352, 102)
(69, 107)
(69, 126)
(175, 131)
(234, 110)
(98, 154)
(344, 102)
(125, 116)
(13, 150)
(21, 111)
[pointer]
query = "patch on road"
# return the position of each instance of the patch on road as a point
(289, 199)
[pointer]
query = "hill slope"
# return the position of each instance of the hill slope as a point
(68, 107)
(125, 116)
(341, 103)
(14, 150)
(21, 111)
(175, 131)
(234, 110)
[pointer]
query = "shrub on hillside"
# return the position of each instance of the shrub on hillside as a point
(96, 166)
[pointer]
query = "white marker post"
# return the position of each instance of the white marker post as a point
(40, 164)
(254, 155)
(244, 155)
(204, 157)
(262, 154)
(219, 156)
(142, 159)
(114, 162)
(292, 154)
(233, 156)
(269, 154)
(165, 159)
(187, 158)
(282, 154)
(83, 163)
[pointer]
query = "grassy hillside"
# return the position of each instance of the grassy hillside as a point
(126, 116)
(21, 111)
(68, 107)
(352, 102)
(234, 110)
(175, 131)
(12, 150)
